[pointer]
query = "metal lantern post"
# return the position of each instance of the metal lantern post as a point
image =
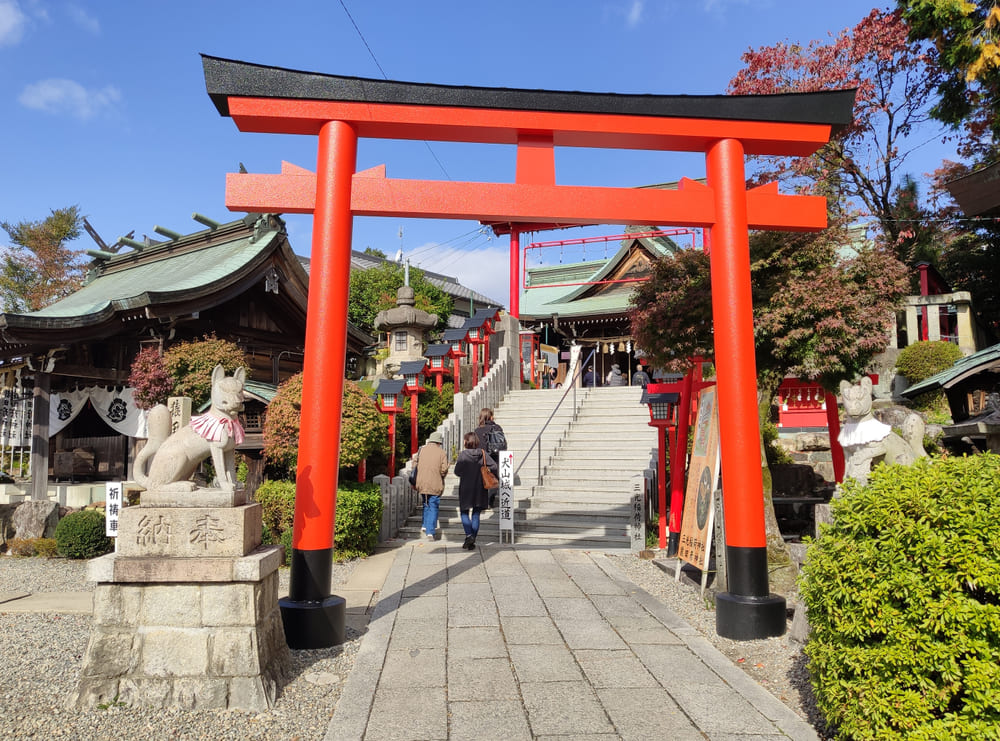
(388, 392)
(475, 333)
(487, 319)
(457, 339)
(436, 367)
(412, 372)
(663, 416)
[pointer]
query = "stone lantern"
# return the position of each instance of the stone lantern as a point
(405, 326)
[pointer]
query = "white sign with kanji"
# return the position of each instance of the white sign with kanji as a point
(112, 507)
(506, 464)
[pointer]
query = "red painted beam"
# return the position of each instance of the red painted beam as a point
(372, 194)
(507, 126)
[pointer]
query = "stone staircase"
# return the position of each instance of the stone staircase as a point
(584, 496)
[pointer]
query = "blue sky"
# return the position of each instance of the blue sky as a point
(104, 105)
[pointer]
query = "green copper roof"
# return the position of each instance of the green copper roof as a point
(568, 300)
(156, 275)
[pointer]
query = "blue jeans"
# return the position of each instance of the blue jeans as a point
(431, 505)
(471, 524)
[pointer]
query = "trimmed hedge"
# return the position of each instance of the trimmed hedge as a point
(903, 596)
(359, 516)
(81, 535)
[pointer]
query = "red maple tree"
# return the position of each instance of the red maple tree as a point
(895, 81)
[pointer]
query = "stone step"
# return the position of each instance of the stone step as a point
(619, 458)
(570, 484)
(554, 531)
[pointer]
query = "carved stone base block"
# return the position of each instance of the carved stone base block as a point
(189, 531)
(186, 644)
(186, 613)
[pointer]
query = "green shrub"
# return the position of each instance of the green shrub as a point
(46, 547)
(773, 452)
(903, 594)
(359, 515)
(277, 501)
(286, 541)
(921, 360)
(81, 535)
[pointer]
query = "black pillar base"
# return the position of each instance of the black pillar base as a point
(743, 618)
(673, 543)
(314, 624)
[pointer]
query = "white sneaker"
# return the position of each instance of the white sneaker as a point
(429, 536)
(423, 530)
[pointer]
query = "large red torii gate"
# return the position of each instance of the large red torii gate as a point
(338, 110)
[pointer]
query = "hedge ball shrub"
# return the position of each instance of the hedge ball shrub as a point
(277, 501)
(81, 535)
(903, 597)
(923, 359)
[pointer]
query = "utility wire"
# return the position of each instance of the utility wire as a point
(386, 77)
(363, 40)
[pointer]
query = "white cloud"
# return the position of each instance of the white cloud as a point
(60, 96)
(83, 19)
(485, 270)
(634, 14)
(12, 22)
(720, 6)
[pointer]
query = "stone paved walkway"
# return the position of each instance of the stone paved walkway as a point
(520, 643)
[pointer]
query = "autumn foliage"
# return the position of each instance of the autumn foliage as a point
(190, 364)
(39, 269)
(362, 428)
(822, 305)
(150, 379)
(895, 82)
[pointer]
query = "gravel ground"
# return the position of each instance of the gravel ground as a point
(42, 654)
(41, 661)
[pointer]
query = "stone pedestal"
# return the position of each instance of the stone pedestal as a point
(186, 612)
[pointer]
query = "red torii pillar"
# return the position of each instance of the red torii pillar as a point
(339, 110)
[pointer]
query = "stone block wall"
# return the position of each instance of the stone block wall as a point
(188, 645)
(186, 612)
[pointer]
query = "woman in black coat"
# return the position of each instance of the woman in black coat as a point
(472, 497)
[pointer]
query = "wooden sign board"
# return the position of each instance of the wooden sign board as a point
(703, 475)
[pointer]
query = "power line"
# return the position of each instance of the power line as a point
(363, 40)
(386, 77)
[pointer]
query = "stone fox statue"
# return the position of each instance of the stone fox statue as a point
(174, 457)
(868, 442)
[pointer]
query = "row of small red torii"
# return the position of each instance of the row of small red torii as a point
(340, 110)
(475, 333)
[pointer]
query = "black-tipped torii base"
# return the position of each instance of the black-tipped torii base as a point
(312, 617)
(744, 618)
